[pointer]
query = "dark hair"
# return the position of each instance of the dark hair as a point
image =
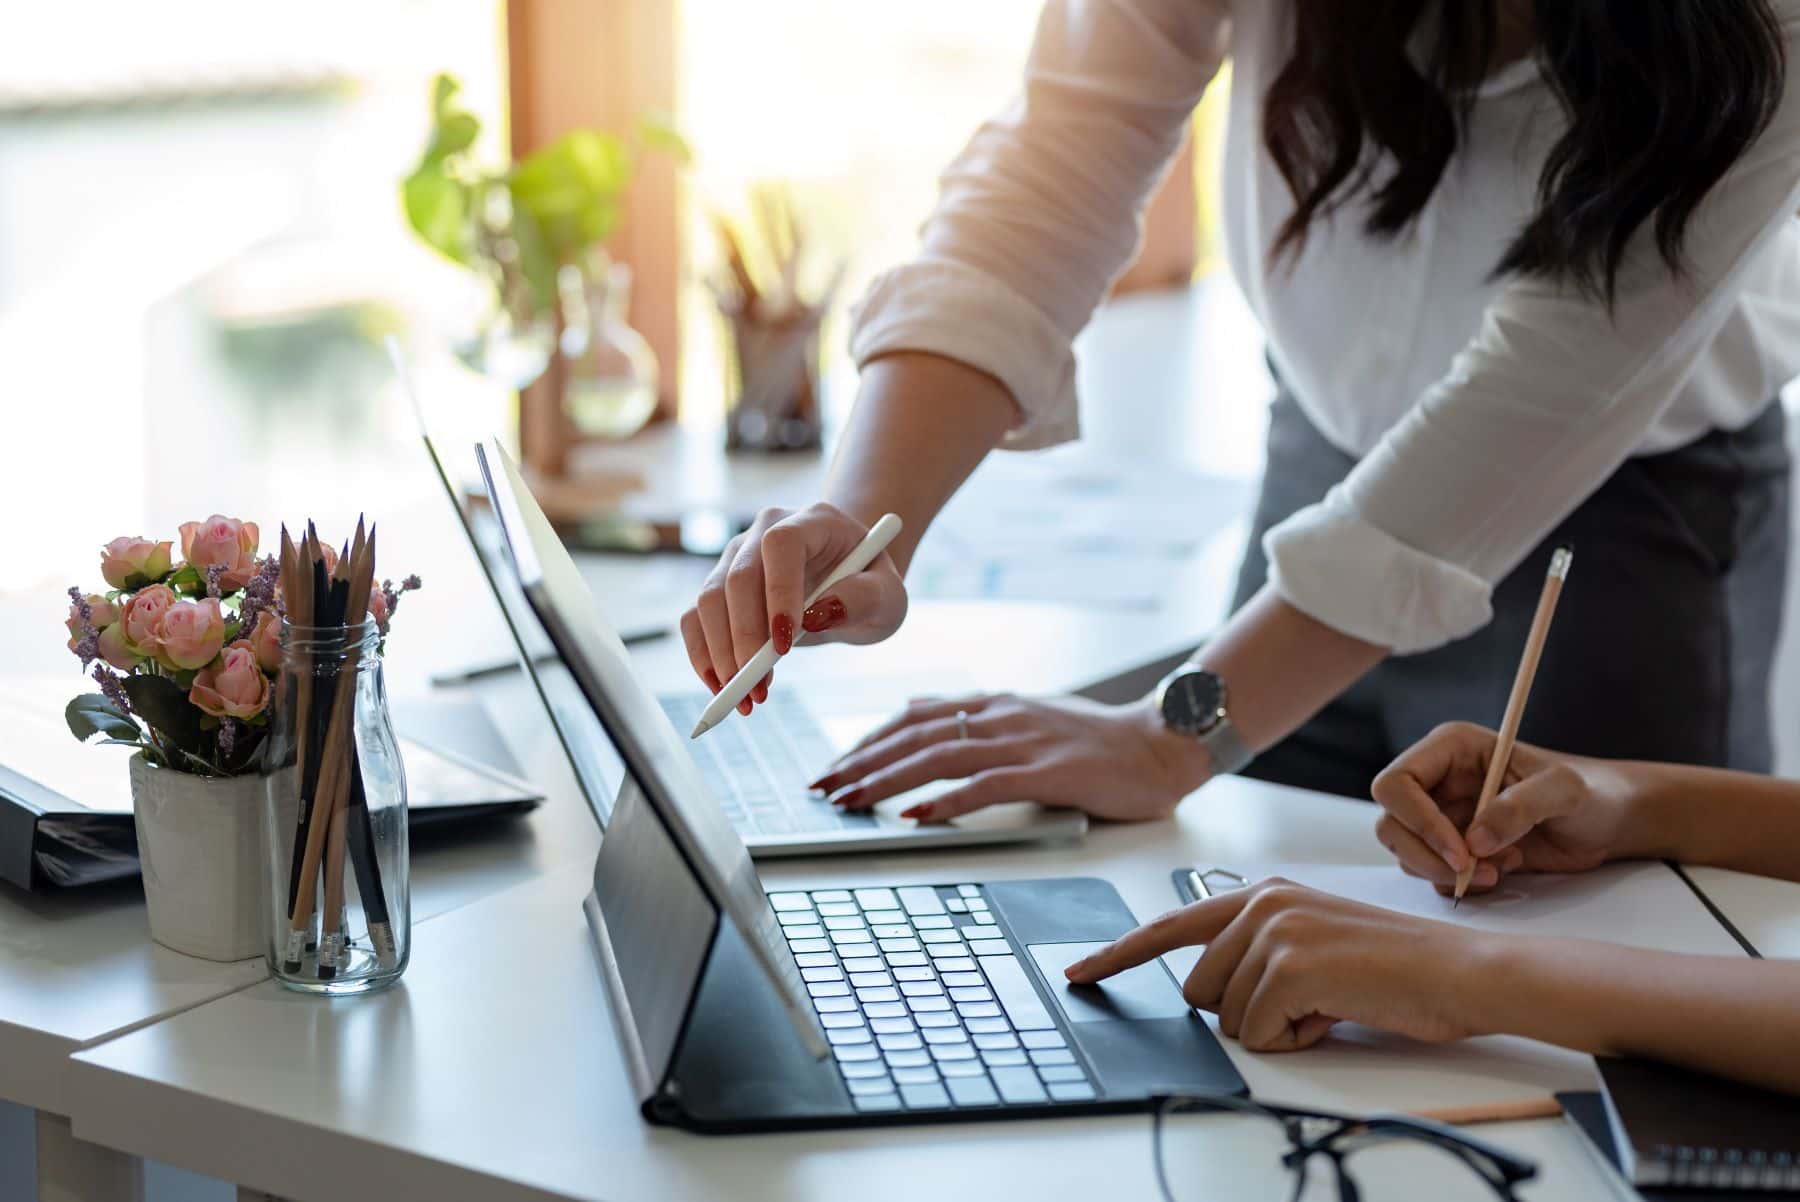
(1661, 96)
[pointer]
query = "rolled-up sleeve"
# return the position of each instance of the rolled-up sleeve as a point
(1041, 211)
(1541, 408)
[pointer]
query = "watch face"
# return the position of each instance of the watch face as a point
(1192, 702)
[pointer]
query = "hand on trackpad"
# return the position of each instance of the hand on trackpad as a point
(1137, 993)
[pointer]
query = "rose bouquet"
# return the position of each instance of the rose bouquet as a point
(185, 653)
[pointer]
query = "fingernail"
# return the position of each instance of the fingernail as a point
(1453, 856)
(744, 707)
(848, 797)
(819, 786)
(822, 614)
(1079, 968)
(922, 812)
(761, 693)
(781, 629)
(1482, 842)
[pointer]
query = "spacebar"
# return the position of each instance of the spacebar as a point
(1016, 993)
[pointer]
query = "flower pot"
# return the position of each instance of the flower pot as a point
(201, 852)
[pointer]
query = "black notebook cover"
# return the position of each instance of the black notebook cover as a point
(1587, 1111)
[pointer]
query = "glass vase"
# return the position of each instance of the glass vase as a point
(504, 332)
(334, 809)
(609, 371)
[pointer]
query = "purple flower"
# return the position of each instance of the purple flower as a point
(228, 734)
(213, 574)
(260, 593)
(108, 680)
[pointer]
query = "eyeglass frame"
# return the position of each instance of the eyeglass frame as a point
(1512, 1171)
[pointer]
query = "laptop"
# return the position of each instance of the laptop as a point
(739, 1011)
(758, 767)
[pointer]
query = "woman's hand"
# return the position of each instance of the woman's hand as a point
(1554, 813)
(1284, 964)
(1112, 761)
(756, 591)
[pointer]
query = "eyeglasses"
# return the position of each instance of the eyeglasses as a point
(1219, 1147)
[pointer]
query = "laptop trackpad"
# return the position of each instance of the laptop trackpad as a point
(1137, 993)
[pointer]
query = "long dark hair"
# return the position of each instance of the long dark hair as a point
(1661, 97)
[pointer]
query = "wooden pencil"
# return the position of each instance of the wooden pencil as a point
(356, 568)
(1493, 1112)
(1560, 559)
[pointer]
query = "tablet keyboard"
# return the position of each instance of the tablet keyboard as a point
(924, 1001)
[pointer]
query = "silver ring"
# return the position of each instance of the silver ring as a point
(962, 724)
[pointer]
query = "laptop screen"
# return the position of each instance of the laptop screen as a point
(653, 751)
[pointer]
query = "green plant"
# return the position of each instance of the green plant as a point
(561, 199)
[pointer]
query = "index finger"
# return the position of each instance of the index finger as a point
(1197, 922)
(1404, 790)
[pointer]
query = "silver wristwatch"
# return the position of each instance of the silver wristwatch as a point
(1192, 701)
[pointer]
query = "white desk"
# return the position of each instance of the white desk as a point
(497, 1077)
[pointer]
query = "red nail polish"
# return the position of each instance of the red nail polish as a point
(782, 631)
(822, 614)
(922, 812)
(744, 707)
(848, 798)
(818, 786)
(712, 681)
(761, 693)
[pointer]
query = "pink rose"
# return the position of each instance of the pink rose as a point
(265, 640)
(378, 609)
(223, 541)
(132, 562)
(235, 687)
(101, 612)
(141, 616)
(115, 651)
(190, 633)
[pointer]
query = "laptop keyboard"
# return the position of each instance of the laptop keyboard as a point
(924, 1001)
(759, 766)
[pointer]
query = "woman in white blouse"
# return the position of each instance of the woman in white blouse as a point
(1529, 272)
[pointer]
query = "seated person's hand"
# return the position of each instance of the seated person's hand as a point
(1283, 964)
(758, 588)
(1554, 812)
(1112, 761)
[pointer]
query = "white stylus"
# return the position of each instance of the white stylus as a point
(738, 687)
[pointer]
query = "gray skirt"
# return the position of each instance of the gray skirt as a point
(1664, 638)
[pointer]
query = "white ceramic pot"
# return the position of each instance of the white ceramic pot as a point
(200, 849)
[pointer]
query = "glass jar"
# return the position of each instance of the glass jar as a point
(773, 382)
(609, 371)
(504, 330)
(334, 816)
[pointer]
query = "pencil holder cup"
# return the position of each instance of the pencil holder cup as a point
(773, 380)
(334, 796)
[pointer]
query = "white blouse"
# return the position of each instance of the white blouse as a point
(1482, 412)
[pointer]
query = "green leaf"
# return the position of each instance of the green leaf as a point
(444, 88)
(92, 714)
(186, 579)
(536, 262)
(453, 134)
(163, 704)
(437, 208)
(571, 189)
(656, 131)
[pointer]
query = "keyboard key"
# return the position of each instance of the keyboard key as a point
(971, 1091)
(900, 945)
(1066, 1091)
(945, 1035)
(969, 890)
(871, 1084)
(1042, 1039)
(884, 1010)
(971, 995)
(986, 1026)
(901, 1060)
(933, 922)
(907, 959)
(907, 1042)
(958, 964)
(816, 960)
(925, 1075)
(880, 1101)
(885, 918)
(953, 1051)
(877, 993)
(956, 905)
(963, 979)
(934, 1018)
(831, 895)
(856, 1053)
(863, 1069)
(796, 918)
(876, 899)
(1004, 1056)
(921, 988)
(948, 951)
(861, 958)
(837, 909)
(921, 900)
(961, 1068)
(790, 901)
(806, 932)
(990, 947)
(856, 1034)
(989, 1042)
(914, 974)
(978, 1010)
(1062, 1072)
(844, 1018)
(982, 920)
(928, 1005)
(924, 1097)
(866, 980)
(857, 936)
(939, 937)
(891, 1026)
(828, 989)
(850, 922)
(1017, 994)
(977, 904)
(806, 946)
(1018, 1085)
(822, 974)
(1052, 1056)
(895, 931)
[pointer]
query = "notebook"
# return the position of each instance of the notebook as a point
(1672, 1128)
(1586, 1112)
